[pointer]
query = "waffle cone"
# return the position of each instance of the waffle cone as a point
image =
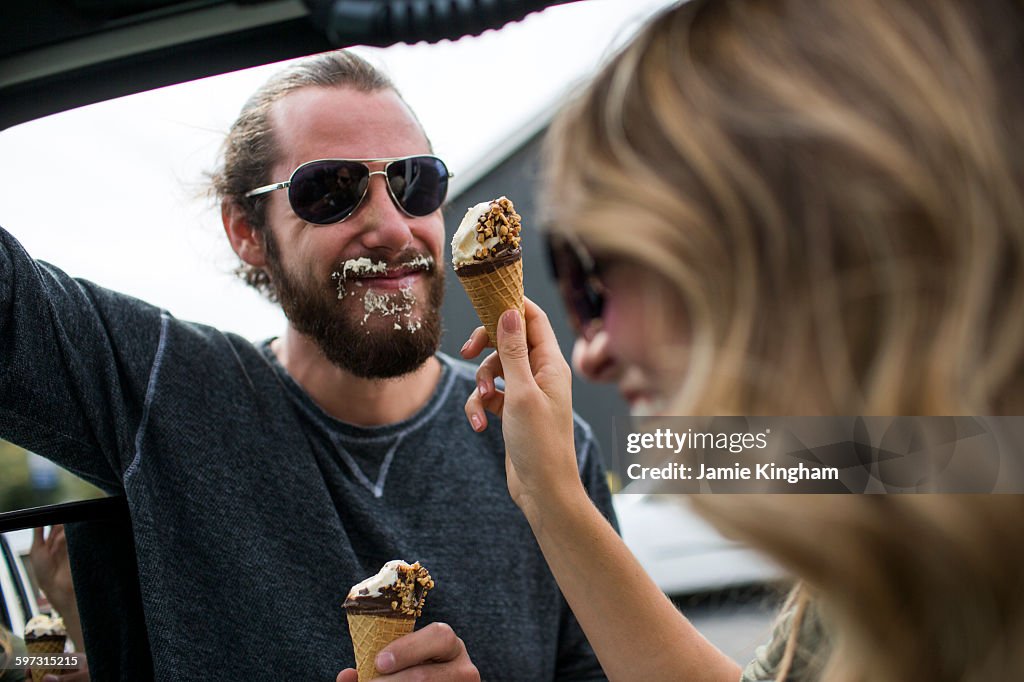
(494, 292)
(53, 644)
(370, 633)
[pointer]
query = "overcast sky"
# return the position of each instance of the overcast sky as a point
(114, 192)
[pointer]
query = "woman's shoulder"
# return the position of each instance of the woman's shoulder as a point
(799, 628)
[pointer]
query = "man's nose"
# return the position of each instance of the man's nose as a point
(383, 225)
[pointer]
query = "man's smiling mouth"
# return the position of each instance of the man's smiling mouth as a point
(386, 289)
(361, 269)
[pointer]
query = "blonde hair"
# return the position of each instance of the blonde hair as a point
(916, 587)
(835, 192)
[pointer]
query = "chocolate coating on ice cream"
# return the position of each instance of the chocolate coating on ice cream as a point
(485, 266)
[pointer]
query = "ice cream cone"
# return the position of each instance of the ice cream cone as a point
(45, 645)
(383, 608)
(494, 287)
(488, 259)
(372, 632)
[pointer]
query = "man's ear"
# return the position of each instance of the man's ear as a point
(247, 242)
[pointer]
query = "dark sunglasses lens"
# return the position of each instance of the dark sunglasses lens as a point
(324, 192)
(419, 184)
(575, 281)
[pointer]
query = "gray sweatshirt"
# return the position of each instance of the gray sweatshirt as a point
(253, 511)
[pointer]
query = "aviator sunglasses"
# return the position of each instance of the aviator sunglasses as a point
(328, 191)
(578, 275)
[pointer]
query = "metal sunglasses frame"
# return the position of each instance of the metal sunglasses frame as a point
(365, 162)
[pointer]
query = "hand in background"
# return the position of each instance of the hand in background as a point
(49, 558)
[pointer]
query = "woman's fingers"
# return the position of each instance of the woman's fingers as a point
(476, 411)
(513, 347)
(540, 335)
(487, 397)
(478, 341)
(489, 370)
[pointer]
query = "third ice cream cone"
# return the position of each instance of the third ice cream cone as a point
(45, 635)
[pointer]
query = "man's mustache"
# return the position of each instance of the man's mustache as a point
(366, 266)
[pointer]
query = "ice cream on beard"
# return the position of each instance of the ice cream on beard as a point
(399, 303)
(487, 257)
(383, 608)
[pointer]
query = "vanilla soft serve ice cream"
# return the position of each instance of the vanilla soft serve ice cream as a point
(44, 626)
(465, 245)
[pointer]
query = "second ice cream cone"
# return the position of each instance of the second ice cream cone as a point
(383, 608)
(44, 636)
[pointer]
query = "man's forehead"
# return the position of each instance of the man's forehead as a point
(341, 122)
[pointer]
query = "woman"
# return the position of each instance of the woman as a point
(790, 207)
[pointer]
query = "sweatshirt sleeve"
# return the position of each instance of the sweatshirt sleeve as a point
(74, 364)
(576, 658)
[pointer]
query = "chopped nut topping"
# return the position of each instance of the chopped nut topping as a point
(499, 220)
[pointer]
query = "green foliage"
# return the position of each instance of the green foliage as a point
(16, 491)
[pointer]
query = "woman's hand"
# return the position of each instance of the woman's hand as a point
(535, 407)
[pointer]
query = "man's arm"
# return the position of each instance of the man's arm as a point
(74, 362)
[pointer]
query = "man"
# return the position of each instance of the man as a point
(265, 480)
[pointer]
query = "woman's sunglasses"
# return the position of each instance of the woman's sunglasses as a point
(579, 280)
(328, 191)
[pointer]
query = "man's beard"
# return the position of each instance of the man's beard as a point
(377, 350)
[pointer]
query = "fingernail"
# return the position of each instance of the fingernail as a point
(475, 421)
(510, 321)
(465, 346)
(385, 661)
(482, 387)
